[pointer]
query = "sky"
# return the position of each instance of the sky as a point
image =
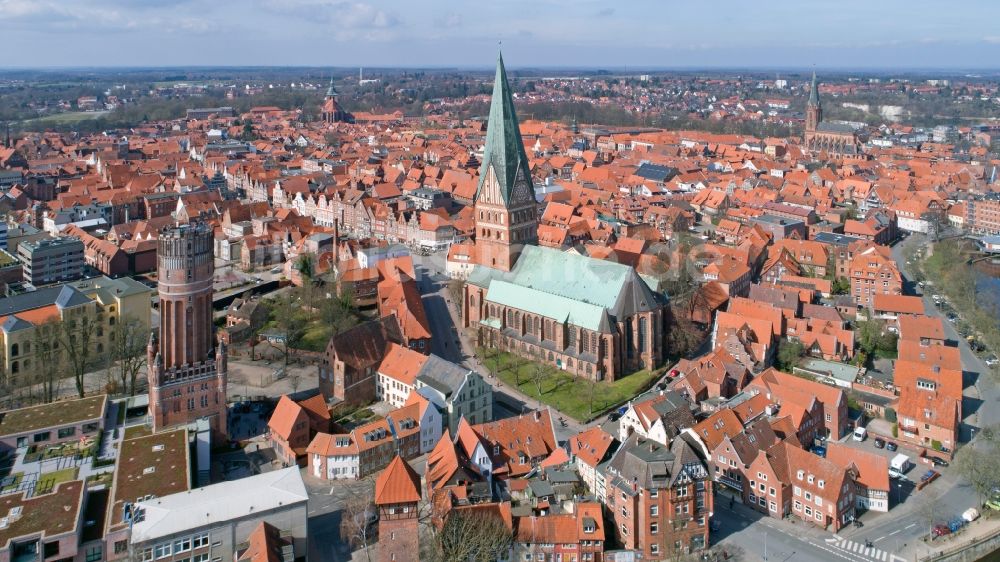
(841, 34)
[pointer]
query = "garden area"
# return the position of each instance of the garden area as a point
(48, 481)
(308, 316)
(78, 449)
(578, 398)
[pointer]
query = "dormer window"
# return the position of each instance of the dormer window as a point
(821, 484)
(801, 474)
(810, 478)
(496, 450)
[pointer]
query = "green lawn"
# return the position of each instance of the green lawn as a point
(570, 395)
(68, 117)
(17, 478)
(49, 480)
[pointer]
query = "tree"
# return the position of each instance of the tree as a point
(538, 369)
(790, 352)
(357, 521)
(928, 510)
(48, 367)
(306, 266)
(77, 335)
(476, 536)
(128, 352)
(248, 133)
(289, 324)
(976, 464)
(841, 286)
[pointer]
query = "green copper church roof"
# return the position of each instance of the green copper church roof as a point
(814, 91)
(568, 286)
(331, 91)
(504, 147)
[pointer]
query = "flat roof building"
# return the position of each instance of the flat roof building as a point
(51, 260)
(218, 520)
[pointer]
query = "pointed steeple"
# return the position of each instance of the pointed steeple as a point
(504, 147)
(814, 91)
(331, 92)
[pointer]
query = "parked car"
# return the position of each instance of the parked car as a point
(994, 502)
(938, 462)
(891, 446)
(879, 443)
(715, 525)
(992, 361)
(860, 433)
(941, 530)
(970, 514)
(613, 416)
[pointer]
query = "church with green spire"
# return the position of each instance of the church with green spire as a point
(331, 110)
(594, 318)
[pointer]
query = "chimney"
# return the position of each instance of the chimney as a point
(538, 415)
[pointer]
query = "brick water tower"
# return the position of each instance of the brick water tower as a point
(187, 370)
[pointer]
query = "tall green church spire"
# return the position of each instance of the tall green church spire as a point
(814, 91)
(504, 147)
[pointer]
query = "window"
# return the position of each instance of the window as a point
(654, 510)
(51, 549)
(655, 492)
(121, 547)
(624, 530)
(66, 432)
(654, 528)
(95, 554)
(182, 545)
(199, 541)
(161, 551)
(654, 548)
(43, 436)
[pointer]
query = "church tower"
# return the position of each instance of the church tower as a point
(332, 112)
(505, 207)
(814, 112)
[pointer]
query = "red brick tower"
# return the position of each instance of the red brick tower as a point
(187, 381)
(397, 493)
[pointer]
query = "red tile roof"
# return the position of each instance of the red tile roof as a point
(398, 483)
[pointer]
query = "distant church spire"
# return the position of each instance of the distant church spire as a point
(331, 92)
(814, 91)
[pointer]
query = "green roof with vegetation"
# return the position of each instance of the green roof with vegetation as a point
(55, 415)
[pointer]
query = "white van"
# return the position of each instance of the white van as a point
(899, 465)
(860, 433)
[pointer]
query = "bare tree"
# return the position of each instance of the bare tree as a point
(357, 522)
(48, 367)
(479, 536)
(928, 510)
(977, 462)
(128, 352)
(538, 369)
(77, 335)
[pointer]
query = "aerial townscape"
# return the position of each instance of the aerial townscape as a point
(511, 310)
